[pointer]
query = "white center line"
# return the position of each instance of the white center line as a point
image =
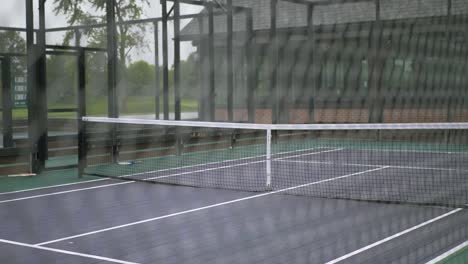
(393, 236)
(66, 252)
(207, 207)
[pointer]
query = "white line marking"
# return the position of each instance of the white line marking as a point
(64, 192)
(209, 169)
(448, 253)
(313, 153)
(393, 237)
(207, 207)
(166, 176)
(66, 252)
(53, 186)
(369, 165)
(212, 163)
(413, 151)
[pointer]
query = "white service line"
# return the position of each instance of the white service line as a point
(448, 253)
(213, 163)
(53, 186)
(164, 176)
(369, 165)
(64, 192)
(66, 252)
(414, 151)
(207, 207)
(209, 169)
(393, 236)
(309, 154)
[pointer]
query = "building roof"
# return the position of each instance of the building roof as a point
(291, 15)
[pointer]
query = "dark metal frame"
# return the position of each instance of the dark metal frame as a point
(7, 114)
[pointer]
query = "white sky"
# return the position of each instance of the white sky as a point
(13, 14)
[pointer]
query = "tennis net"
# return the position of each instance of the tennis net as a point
(424, 163)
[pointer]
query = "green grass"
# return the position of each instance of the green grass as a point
(98, 106)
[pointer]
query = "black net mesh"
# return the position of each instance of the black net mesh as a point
(423, 164)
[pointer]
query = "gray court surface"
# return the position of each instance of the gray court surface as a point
(112, 221)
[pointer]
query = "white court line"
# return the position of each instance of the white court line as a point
(215, 162)
(310, 154)
(412, 151)
(370, 165)
(207, 207)
(53, 186)
(126, 182)
(209, 169)
(393, 236)
(66, 252)
(63, 192)
(448, 253)
(171, 175)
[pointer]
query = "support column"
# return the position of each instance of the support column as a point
(82, 144)
(310, 44)
(157, 84)
(251, 69)
(376, 103)
(202, 105)
(165, 54)
(229, 66)
(31, 80)
(177, 106)
(112, 97)
(7, 103)
(211, 64)
(273, 63)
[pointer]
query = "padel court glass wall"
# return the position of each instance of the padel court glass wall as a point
(263, 61)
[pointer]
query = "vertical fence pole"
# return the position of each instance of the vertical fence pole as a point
(230, 66)
(7, 103)
(82, 144)
(157, 84)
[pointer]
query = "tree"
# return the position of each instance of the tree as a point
(12, 42)
(141, 78)
(129, 37)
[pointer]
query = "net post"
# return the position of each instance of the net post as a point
(268, 159)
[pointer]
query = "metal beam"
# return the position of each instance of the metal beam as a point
(165, 54)
(326, 2)
(177, 106)
(7, 103)
(229, 66)
(273, 62)
(34, 166)
(250, 56)
(157, 85)
(211, 64)
(202, 104)
(310, 44)
(112, 97)
(62, 47)
(82, 144)
(136, 21)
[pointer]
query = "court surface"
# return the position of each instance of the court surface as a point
(113, 221)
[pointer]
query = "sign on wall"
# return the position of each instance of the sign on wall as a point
(20, 92)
